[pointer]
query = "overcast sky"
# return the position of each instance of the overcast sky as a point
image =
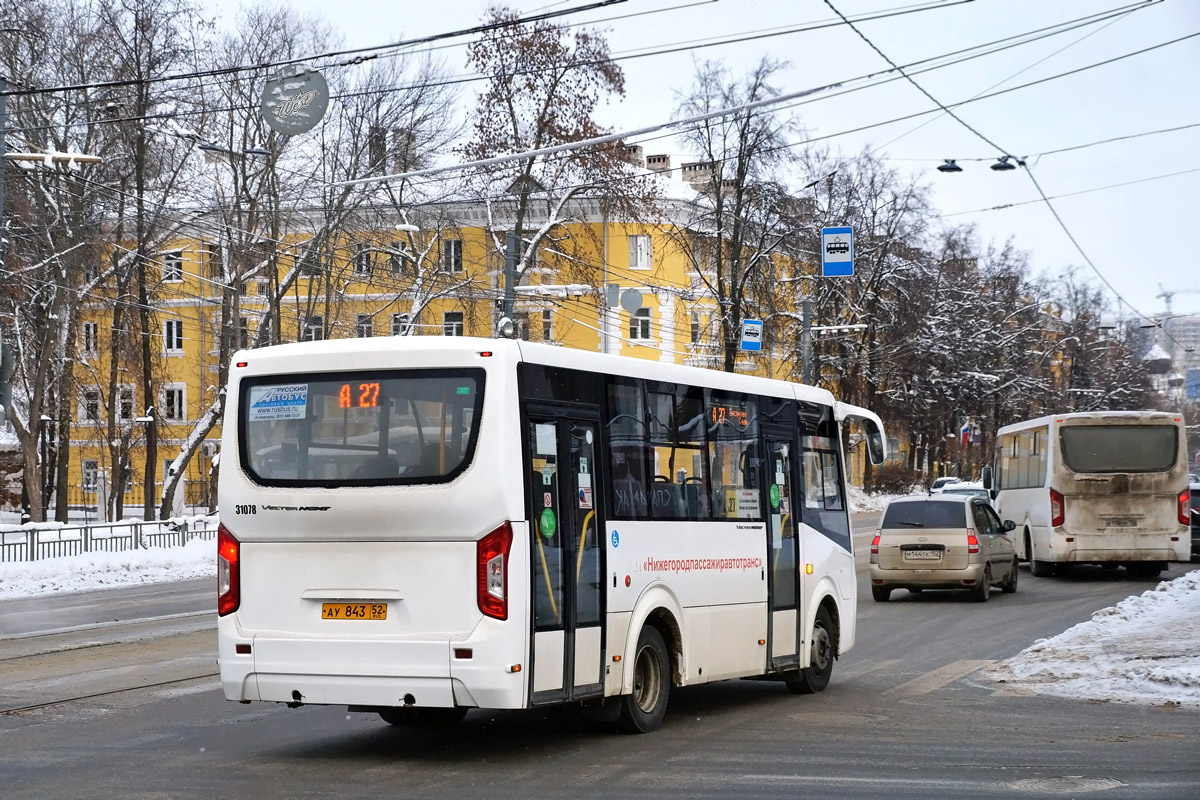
(1138, 236)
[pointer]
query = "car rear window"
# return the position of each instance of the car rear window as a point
(928, 514)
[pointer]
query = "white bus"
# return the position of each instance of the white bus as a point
(420, 526)
(1106, 487)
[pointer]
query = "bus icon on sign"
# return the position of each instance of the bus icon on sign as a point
(837, 247)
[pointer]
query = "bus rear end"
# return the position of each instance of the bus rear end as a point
(1119, 490)
(366, 546)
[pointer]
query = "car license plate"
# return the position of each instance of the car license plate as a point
(922, 555)
(354, 611)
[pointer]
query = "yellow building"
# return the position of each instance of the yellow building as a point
(625, 288)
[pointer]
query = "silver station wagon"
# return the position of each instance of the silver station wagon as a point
(942, 541)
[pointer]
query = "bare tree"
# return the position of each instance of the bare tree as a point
(544, 85)
(743, 217)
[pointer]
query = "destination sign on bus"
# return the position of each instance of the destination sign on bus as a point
(365, 396)
(733, 415)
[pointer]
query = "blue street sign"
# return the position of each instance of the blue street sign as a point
(752, 331)
(837, 252)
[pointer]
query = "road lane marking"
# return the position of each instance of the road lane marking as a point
(867, 667)
(936, 679)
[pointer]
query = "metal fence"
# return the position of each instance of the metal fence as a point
(36, 544)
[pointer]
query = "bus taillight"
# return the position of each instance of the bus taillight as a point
(1185, 508)
(229, 582)
(1058, 509)
(492, 555)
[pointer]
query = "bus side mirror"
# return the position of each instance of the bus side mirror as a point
(987, 477)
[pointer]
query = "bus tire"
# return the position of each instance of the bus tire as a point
(423, 717)
(1038, 569)
(643, 710)
(1147, 569)
(815, 677)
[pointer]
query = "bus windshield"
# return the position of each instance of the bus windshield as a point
(1119, 448)
(360, 428)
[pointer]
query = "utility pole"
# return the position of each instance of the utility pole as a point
(806, 344)
(510, 274)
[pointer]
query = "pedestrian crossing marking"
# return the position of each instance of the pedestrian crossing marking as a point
(936, 679)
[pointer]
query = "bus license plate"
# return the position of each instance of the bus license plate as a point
(354, 611)
(922, 555)
(1121, 522)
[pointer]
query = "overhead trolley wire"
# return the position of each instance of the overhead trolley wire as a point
(1044, 197)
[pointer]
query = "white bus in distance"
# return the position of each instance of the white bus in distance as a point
(421, 526)
(1105, 487)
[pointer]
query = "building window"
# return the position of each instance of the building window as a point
(91, 471)
(452, 323)
(398, 258)
(452, 255)
(125, 403)
(314, 329)
(173, 335)
(363, 325)
(216, 265)
(547, 325)
(172, 266)
(91, 405)
(362, 259)
(173, 402)
(91, 339)
(401, 324)
(639, 252)
(695, 336)
(639, 324)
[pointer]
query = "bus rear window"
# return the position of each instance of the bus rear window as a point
(1119, 448)
(360, 428)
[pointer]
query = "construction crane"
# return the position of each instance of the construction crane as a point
(1167, 294)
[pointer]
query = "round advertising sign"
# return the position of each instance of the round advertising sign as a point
(295, 99)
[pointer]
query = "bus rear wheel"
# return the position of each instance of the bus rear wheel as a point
(1038, 569)
(642, 711)
(816, 676)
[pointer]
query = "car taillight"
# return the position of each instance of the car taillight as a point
(1058, 509)
(229, 581)
(875, 544)
(1185, 511)
(491, 563)
(972, 541)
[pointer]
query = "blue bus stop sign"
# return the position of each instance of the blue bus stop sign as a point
(837, 252)
(752, 331)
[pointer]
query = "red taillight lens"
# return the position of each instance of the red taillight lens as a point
(229, 582)
(1058, 509)
(492, 566)
(875, 544)
(1185, 509)
(972, 541)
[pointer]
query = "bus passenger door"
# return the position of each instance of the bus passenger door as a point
(781, 552)
(567, 654)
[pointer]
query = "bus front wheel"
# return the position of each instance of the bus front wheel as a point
(816, 676)
(643, 710)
